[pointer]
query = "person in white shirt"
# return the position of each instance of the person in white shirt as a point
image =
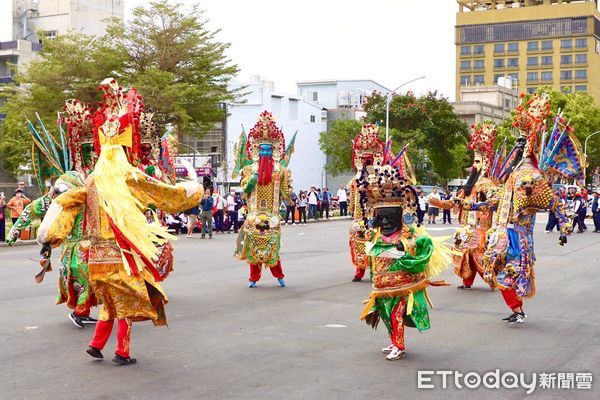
(433, 211)
(422, 207)
(221, 207)
(343, 201)
(232, 211)
(313, 201)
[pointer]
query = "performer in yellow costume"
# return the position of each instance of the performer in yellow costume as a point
(119, 243)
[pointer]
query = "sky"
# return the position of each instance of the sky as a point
(389, 41)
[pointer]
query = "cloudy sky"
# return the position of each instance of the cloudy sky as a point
(389, 41)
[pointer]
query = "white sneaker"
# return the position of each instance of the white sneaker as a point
(395, 354)
(387, 350)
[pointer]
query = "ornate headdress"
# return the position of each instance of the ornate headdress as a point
(481, 141)
(367, 143)
(117, 119)
(266, 132)
(78, 118)
(385, 186)
(530, 119)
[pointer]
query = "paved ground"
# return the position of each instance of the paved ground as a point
(227, 341)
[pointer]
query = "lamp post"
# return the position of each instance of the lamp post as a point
(387, 107)
(585, 154)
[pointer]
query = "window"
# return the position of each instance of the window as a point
(566, 89)
(546, 60)
(547, 76)
(478, 64)
(513, 47)
(213, 149)
(315, 96)
(547, 45)
(581, 74)
(478, 49)
(478, 79)
(465, 50)
(566, 75)
(566, 44)
(499, 63)
(532, 46)
(513, 62)
(566, 60)
(465, 80)
(465, 65)
(581, 43)
(580, 58)
(50, 34)
(313, 118)
(531, 90)
(532, 61)
(514, 77)
(499, 48)
(532, 77)
(524, 30)
(496, 77)
(581, 88)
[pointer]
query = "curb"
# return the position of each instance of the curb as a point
(29, 242)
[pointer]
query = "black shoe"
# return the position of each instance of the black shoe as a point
(510, 317)
(88, 320)
(76, 319)
(94, 352)
(355, 279)
(517, 318)
(123, 360)
(464, 287)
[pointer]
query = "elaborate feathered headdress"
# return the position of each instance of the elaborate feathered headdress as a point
(78, 118)
(481, 141)
(367, 142)
(265, 131)
(530, 119)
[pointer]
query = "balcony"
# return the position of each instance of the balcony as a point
(546, 66)
(533, 66)
(583, 48)
(12, 45)
(533, 51)
(566, 80)
(533, 81)
(465, 69)
(465, 55)
(566, 49)
(566, 65)
(550, 50)
(547, 81)
(580, 80)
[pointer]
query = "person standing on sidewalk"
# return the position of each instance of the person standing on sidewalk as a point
(595, 211)
(433, 211)
(290, 207)
(192, 218)
(447, 212)
(313, 201)
(16, 205)
(232, 211)
(422, 207)
(325, 200)
(221, 205)
(302, 201)
(206, 216)
(343, 201)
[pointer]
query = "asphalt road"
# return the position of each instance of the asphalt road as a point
(304, 341)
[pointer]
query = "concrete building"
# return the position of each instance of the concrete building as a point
(21, 21)
(291, 113)
(535, 42)
(487, 103)
(343, 99)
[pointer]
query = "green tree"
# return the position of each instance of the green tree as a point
(176, 63)
(337, 144)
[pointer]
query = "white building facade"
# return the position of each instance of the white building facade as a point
(292, 114)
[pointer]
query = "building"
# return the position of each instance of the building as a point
(477, 104)
(535, 42)
(292, 114)
(22, 22)
(343, 99)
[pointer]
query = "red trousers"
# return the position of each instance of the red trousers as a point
(360, 273)
(511, 299)
(397, 335)
(256, 271)
(469, 281)
(102, 334)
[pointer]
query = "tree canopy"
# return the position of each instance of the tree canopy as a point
(166, 52)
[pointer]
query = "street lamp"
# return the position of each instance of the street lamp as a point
(585, 154)
(387, 107)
